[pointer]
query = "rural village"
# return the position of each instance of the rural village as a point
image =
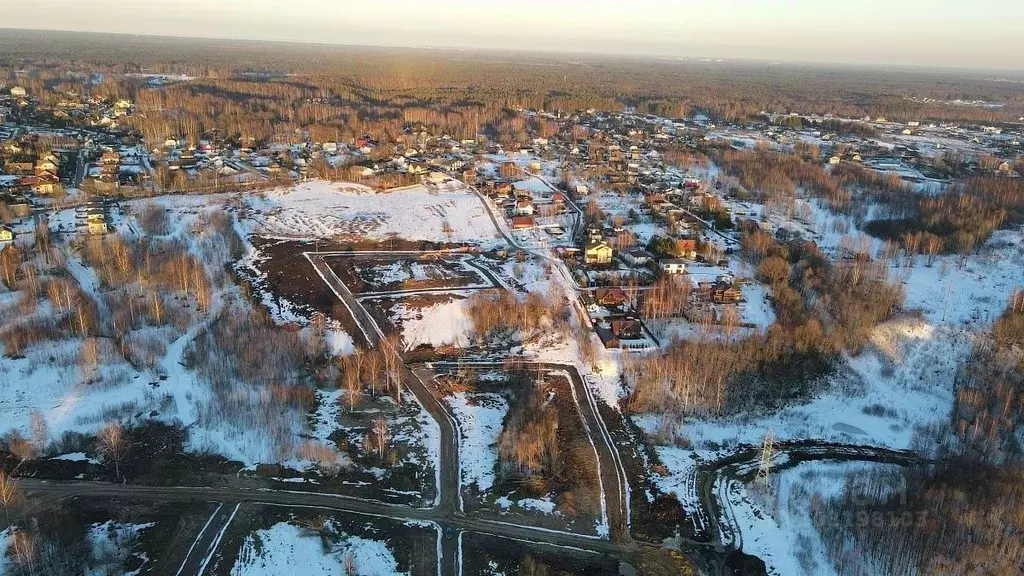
(416, 351)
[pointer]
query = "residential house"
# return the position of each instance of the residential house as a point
(558, 202)
(523, 223)
(636, 257)
(672, 266)
(110, 158)
(6, 234)
(19, 206)
(719, 292)
(610, 297)
(503, 190)
(524, 207)
(96, 227)
(18, 92)
(416, 168)
(627, 328)
(47, 164)
(598, 253)
(19, 168)
(623, 333)
(508, 170)
(93, 217)
(47, 184)
(686, 247)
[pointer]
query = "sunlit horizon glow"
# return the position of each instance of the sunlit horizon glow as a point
(985, 34)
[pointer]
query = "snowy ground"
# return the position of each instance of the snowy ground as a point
(902, 382)
(414, 434)
(5, 542)
(480, 417)
(283, 547)
(775, 523)
(973, 295)
(321, 209)
(111, 546)
(438, 324)
(410, 274)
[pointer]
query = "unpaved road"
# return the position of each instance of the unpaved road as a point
(230, 498)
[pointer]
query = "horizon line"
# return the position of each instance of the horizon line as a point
(646, 56)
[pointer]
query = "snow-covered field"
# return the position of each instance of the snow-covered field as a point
(321, 209)
(974, 294)
(480, 417)
(440, 324)
(284, 547)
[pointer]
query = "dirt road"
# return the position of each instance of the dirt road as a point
(208, 537)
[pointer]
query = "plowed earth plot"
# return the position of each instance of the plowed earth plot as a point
(395, 273)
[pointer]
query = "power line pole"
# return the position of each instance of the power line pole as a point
(767, 452)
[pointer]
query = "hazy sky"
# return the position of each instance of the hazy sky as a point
(956, 33)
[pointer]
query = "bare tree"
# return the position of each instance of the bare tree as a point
(10, 259)
(353, 386)
(40, 431)
(89, 358)
(20, 446)
(22, 550)
(10, 493)
(371, 370)
(730, 319)
(318, 337)
(378, 438)
(932, 246)
(157, 308)
(114, 445)
(351, 568)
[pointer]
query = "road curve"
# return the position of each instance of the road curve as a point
(744, 462)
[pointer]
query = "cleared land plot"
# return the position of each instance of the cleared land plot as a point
(430, 320)
(402, 471)
(279, 540)
(320, 209)
(524, 453)
(386, 273)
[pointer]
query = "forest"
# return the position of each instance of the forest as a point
(255, 92)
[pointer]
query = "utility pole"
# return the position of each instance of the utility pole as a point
(767, 452)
